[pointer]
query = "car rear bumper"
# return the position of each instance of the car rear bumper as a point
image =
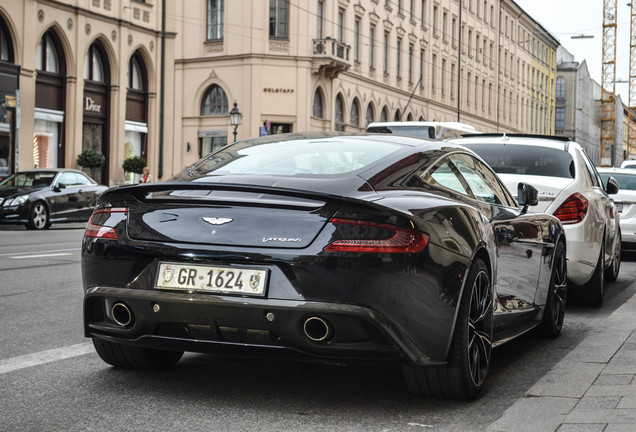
(582, 252)
(248, 327)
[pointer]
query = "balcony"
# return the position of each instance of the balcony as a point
(330, 57)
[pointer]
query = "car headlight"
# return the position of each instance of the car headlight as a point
(16, 201)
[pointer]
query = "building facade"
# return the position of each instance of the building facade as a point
(82, 74)
(339, 65)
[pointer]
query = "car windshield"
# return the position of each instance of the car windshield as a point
(295, 157)
(32, 179)
(526, 159)
(625, 181)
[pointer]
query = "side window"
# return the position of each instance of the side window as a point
(594, 177)
(445, 174)
(68, 178)
(81, 179)
(482, 181)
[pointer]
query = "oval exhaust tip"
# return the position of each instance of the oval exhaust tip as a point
(317, 329)
(121, 314)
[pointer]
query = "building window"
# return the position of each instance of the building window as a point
(46, 58)
(321, 6)
(339, 113)
(385, 65)
(410, 63)
(422, 54)
(318, 106)
(452, 83)
(399, 58)
(214, 101)
(559, 119)
(93, 66)
(356, 40)
(370, 115)
(354, 114)
(445, 26)
(454, 31)
(560, 88)
(215, 19)
(384, 116)
(443, 76)
(278, 19)
(398, 116)
(468, 80)
(423, 13)
(433, 72)
(412, 10)
(6, 49)
(372, 47)
(134, 75)
(340, 25)
(435, 18)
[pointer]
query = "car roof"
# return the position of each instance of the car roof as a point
(55, 170)
(556, 142)
(629, 171)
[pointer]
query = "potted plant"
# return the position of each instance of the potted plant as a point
(91, 161)
(134, 165)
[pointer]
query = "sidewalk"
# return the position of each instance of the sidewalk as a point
(592, 389)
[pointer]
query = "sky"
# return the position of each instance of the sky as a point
(566, 18)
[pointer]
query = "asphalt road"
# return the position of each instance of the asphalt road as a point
(52, 380)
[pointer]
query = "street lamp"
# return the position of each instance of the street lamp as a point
(235, 118)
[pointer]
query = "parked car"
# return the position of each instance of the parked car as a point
(336, 248)
(569, 188)
(41, 197)
(625, 202)
(629, 164)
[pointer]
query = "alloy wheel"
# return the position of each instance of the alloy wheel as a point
(480, 328)
(39, 216)
(560, 288)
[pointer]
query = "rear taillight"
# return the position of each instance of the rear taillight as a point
(103, 221)
(364, 236)
(573, 209)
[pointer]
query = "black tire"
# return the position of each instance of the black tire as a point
(611, 273)
(592, 292)
(131, 357)
(557, 295)
(464, 374)
(38, 217)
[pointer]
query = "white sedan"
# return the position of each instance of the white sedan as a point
(571, 189)
(625, 202)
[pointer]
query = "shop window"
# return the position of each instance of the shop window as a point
(214, 101)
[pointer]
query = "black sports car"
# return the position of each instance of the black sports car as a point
(336, 248)
(40, 197)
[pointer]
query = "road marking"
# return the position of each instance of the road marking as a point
(43, 357)
(49, 251)
(41, 255)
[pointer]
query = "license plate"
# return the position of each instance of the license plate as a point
(214, 279)
(619, 207)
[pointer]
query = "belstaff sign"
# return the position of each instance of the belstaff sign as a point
(90, 105)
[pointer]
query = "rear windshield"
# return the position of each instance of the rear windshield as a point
(296, 157)
(526, 159)
(625, 181)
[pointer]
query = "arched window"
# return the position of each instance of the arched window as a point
(46, 56)
(318, 106)
(409, 117)
(339, 113)
(354, 114)
(214, 101)
(93, 65)
(421, 118)
(135, 75)
(384, 116)
(398, 116)
(560, 88)
(6, 48)
(370, 115)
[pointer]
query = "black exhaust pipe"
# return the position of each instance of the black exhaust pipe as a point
(122, 314)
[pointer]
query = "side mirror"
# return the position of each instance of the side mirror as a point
(527, 196)
(59, 187)
(612, 186)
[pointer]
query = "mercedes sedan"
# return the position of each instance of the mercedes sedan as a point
(325, 247)
(41, 197)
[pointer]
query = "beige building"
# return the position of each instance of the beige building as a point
(78, 74)
(338, 65)
(290, 66)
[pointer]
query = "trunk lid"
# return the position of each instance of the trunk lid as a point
(235, 215)
(549, 188)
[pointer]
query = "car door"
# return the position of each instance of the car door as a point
(87, 196)
(518, 235)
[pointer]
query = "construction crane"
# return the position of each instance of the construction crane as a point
(631, 119)
(608, 84)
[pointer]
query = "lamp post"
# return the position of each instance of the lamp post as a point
(235, 118)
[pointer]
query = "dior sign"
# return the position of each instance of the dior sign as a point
(90, 105)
